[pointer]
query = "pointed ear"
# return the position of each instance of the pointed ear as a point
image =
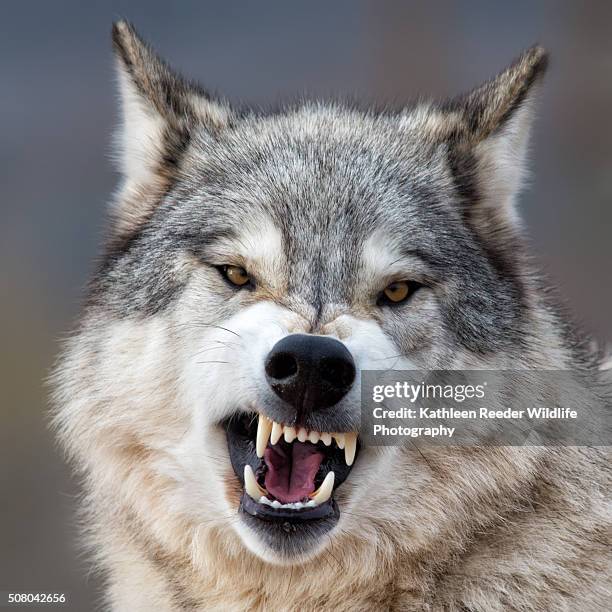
(160, 113)
(487, 134)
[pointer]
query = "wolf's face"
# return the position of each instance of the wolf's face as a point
(258, 263)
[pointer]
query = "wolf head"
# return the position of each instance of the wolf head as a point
(255, 264)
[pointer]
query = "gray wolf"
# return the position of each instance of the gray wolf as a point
(254, 264)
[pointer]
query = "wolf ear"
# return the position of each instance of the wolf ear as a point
(487, 134)
(160, 112)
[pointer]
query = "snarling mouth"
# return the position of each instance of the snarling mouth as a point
(289, 474)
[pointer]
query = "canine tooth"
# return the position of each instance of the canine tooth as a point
(350, 448)
(302, 434)
(313, 436)
(277, 432)
(290, 434)
(310, 503)
(250, 484)
(264, 427)
(326, 438)
(340, 440)
(325, 490)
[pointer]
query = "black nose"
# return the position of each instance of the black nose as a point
(310, 372)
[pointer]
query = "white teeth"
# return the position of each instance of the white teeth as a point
(313, 436)
(350, 448)
(250, 484)
(290, 434)
(325, 490)
(264, 428)
(273, 431)
(291, 506)
(277, 432)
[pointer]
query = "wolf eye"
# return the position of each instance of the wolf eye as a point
(397, 292)
(236, 275)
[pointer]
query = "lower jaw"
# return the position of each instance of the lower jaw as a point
(291, 535)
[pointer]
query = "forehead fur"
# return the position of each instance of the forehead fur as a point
(320, 171)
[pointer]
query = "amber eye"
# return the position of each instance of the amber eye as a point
(236, 275)
(397, 292)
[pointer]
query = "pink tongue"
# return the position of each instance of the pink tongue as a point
(291, 470)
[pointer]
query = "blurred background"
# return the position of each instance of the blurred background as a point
(58, 108)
